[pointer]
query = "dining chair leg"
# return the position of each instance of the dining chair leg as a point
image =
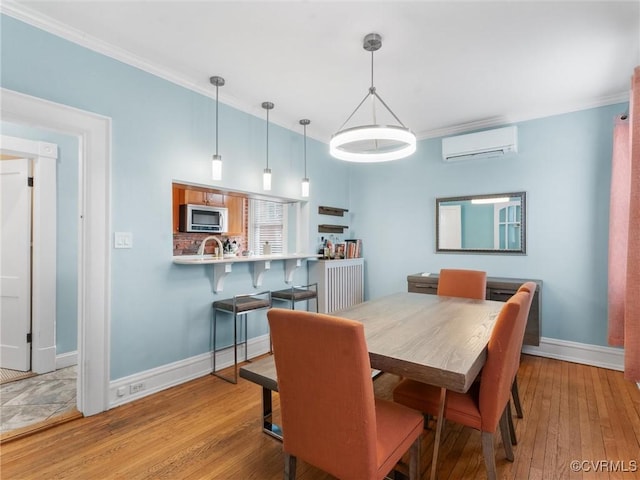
(489, 455)
(512, 428)
(516, 397)
(504, 431)
(439, 425)
(289, 467)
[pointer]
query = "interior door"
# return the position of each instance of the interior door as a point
(15, 265)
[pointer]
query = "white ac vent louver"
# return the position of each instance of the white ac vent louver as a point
(486, 144)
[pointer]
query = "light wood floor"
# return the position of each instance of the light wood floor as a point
(209, 429)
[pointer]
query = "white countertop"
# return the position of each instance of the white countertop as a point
(259, 265)
(206, 259)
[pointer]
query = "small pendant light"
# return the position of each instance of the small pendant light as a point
(305, 181)
(216, 160)
(266, 176)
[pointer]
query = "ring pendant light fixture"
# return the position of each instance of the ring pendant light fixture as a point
(266, 175)
(372, 143)
(305, 181)
(216, 160)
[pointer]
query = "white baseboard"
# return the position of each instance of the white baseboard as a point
(66, 360)
(127, 389)
(161, 378)
(594, 355)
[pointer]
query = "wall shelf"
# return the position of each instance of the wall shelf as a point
(335, 211)
(324, 228)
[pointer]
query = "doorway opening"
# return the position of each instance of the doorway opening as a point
(93, 133)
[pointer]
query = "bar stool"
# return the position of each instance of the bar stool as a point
(239, 305)
(297, 294)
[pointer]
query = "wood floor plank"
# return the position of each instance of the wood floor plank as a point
(595, 426)
(528, 425)
(575, 433)
(210, 429)
(550, 468)
(543, 391)
(563, 447)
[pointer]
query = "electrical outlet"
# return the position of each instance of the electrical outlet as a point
(122, 240)
(136, 387)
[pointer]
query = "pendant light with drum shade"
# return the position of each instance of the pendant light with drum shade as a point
(305, 181)
(216, 161)
(266, 175)
(373, 142)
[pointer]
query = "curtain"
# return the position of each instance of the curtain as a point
(624, 235)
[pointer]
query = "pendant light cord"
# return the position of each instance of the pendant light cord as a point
(305, 151)
(372, 87)
(267, 138)
(216, 120)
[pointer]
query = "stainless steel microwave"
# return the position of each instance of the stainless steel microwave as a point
(202, 218)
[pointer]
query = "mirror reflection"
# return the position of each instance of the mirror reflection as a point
(493, 223)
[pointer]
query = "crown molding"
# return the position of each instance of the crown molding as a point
(43, 22)
(505, 120)
(79, 37)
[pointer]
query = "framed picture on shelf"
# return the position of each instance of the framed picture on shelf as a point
(340, 250)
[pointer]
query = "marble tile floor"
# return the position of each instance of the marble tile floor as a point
(32, 400)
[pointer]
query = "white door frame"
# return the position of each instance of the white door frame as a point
(43, 261)
(94, 261)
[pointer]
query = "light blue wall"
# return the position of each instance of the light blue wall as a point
(162, 132)
(66, 230)
(564, 166)
(161, 312)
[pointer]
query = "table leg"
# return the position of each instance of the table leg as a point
(439, 423)
(267, 411)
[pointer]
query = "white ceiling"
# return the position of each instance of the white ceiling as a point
(444, 67)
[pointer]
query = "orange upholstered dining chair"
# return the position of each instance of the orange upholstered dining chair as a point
(484, 406)
(462, 283)
(529, 287)
(330, 417)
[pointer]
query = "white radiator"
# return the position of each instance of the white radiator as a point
(340, 283)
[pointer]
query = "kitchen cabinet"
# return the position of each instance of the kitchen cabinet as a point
(197, 197)
(498, 288)
(234, 203)
(235, 206)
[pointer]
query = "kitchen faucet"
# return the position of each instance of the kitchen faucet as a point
(204, 242)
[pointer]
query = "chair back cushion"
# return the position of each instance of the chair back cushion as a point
(529, 287)
(502, 361)
(463, 283)
(326, 393)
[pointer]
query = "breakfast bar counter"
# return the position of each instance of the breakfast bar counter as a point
(222, 266)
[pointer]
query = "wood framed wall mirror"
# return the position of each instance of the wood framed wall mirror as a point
(492, 223)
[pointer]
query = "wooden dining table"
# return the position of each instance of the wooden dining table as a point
(433, 339)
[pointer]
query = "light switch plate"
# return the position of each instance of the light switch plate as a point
(122, 240)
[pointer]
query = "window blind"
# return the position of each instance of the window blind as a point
(268, 222)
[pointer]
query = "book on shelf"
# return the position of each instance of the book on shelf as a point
(353, 248)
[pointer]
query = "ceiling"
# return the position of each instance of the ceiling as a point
(444, 67)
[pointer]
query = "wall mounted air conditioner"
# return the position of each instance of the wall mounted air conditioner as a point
(490, 143)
